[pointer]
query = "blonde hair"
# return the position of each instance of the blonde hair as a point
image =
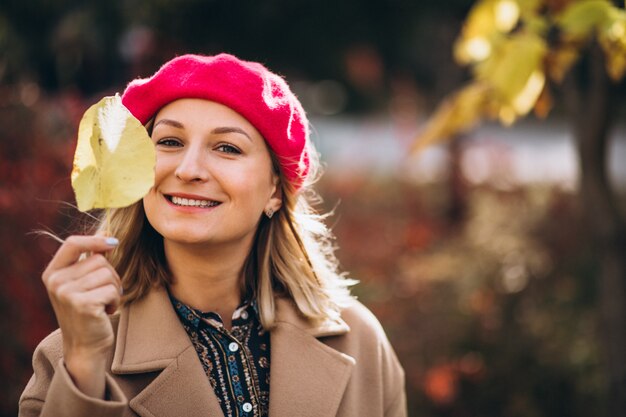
(292, 255)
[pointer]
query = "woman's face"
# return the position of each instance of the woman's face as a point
(214, 176)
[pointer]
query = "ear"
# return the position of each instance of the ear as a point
(276, 199)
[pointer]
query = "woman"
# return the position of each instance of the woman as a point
(229, 298)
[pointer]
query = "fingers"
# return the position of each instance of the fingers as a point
(87, 265)
(91, 280)
(82, 292)
(80, 272)
(74, 246)
(71, 282)
(93, 301)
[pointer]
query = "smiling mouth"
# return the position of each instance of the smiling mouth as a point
(188, 202)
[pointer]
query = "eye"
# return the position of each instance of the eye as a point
(169, 142)
(228, 148)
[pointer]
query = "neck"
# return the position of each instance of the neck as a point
(207, 279)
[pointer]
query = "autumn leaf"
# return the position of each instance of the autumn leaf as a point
(612, 39)
(513, 46)
(580, 19)
(515, 71)
(529, 7)
(486, 20)
(115, 158)
(457, 114)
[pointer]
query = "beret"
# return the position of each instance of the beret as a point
(248, 88)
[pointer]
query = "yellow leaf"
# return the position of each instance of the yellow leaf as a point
(582, 18)
(538, 25)
(455, 115)
(506, 14)
(612, 38)
(525, 99)
(507, 115)
(616, 66)
(530, 7)
(486, 19)
(115, 158)
(473, 49)
(515, 71)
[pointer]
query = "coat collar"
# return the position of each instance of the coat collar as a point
(307, 377)
(150, 339)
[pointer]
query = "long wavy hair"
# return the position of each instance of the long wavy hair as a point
(292, 255)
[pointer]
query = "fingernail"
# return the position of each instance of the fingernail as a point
(111, 241)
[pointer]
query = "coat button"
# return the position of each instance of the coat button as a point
(247, 407)
(244, 315)
(233, 347)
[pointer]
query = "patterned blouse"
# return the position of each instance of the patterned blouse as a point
(237, 362)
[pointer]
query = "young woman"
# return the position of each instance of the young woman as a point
(222, 282)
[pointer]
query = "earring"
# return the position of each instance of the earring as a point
(269, 213)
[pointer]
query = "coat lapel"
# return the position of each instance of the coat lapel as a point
(151, 339)
(307, 377)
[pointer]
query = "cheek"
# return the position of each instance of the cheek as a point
(256, 180)
(161, 169)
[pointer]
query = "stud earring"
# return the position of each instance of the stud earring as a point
(269, 213)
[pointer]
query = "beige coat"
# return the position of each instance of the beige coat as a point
(343, 368)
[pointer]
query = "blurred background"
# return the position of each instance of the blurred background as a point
(478, 254)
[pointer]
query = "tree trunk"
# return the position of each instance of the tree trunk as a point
(457, 206)
(607, 228)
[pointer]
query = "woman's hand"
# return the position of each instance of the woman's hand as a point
(82, 292)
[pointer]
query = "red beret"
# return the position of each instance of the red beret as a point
(249, 88)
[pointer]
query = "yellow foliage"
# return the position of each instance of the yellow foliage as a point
(536, 24)
(505, 41)
(515, 71)
(612, 38)
(457, 114)
(529, 7)
(582, 18)
(115, 158)
(486, 20)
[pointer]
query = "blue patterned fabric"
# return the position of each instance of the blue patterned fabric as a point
(237, 362)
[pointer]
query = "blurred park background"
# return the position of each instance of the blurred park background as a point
(479, 255)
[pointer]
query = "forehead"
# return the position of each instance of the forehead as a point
(200, 114)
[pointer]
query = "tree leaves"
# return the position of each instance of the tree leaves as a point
(514, 71)
(486, 21)
(612, 38)
(598, 18)
(115, 158)
(459, 113)
(513, 47)
(581, 18)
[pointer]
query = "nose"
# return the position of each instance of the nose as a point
(193, 166)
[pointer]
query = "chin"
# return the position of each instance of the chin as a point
(188, 238)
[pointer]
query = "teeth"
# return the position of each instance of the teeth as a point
(193, 203)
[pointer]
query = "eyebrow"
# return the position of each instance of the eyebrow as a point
(218, 130)
(230, 129)
(170, 122)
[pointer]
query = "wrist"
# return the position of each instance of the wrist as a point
(85, 363)
(88, 373)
